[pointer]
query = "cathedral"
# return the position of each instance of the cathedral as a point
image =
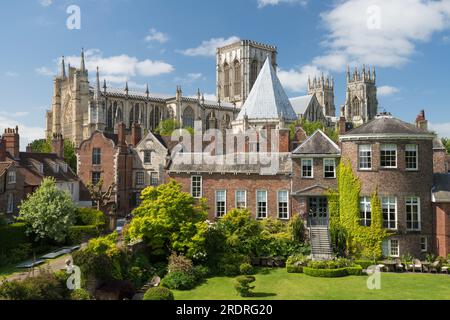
(79, 108)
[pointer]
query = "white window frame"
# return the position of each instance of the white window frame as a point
(312, 168)
(396, 211)
(140, 175)
(257, 204)
(236, 199)
(287, 205)
(365, 156)
(366, 202)
(144, 153)
(423, 243)
(389, 148)
(152, 175)
(201, 187)
(419, 213)
(334, 168)
(388, 246)
(10, 203)
(224, 205)
(12, 177)
(416, 147)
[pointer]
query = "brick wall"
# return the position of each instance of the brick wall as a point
(442, 228)
(231, 183)
(439, 161)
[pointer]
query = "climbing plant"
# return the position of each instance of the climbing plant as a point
(349, 237)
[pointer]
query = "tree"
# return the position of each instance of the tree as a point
(48, 213)
(167, 127)
(312, 126)
(97, 194)
(170, 220)
(446, 143)
(45, 146)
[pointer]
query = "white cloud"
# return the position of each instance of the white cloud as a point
(442, 129)
(207, 96)
(380, 32)
(27, 133)
(120, 68)
(45, 3)
(265, 3)
(157, 36)
(190, 78)
(44, 71)
(14, 114)
(208, 48)
(296, 79)
(11, 74)
(385, 91)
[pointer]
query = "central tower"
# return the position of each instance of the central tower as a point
(238, 67)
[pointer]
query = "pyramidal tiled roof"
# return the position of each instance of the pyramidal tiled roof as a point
(320, 144)
(267, 99)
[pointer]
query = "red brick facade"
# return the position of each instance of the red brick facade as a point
(442, 225)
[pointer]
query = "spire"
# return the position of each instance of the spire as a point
(82, 64)
(147, 91)
(63, 68)
(126, 87)
(98, 80)
(199, 95)
(104, 85)
(348, 73)
(374, 73)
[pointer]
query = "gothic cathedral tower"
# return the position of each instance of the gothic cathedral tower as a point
(361, 103)
(238, 66)
(324, 91)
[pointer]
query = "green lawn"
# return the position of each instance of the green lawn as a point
(280, 285)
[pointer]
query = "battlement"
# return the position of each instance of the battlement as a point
(320, 83)
(364, 75)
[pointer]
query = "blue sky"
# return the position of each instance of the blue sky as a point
(166, 43)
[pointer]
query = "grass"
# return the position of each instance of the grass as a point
(7, 271)
(280, 285)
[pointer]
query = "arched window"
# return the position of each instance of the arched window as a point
(209, 123)
(356, 107)
(131, 116)
(227, 82)
(155, 117)
(237, 78)
(253, 73)
(110, 117)
(137, 117)
(119, 115)
(114, 121)
(226, 121)
(188, 118)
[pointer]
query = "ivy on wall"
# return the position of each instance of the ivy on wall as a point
(348, 236)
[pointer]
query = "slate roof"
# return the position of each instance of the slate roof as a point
(301, 104)
(241, 167)
(387, 125)
(267, 99)
(318, 144)
(441, 188)
(28, 162)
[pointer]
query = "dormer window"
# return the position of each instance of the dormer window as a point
(11, 177)
(56, 168)
(64, 167)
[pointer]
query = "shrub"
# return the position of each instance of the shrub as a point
(331, 264)
(325, 273)
(89, 217)
(179, 263)
(80, 294)
(79, 234)
(230, 263)
(243, 287)
(365, 263)
(179, 281)
(158, 293)
(295, 263)
(355, 270)
(160, 269)
(44, 286)
(246, 269)
(201, 273)
(11, 236)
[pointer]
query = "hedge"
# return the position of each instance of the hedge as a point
(78, 234)
(294, 269)
(333, 273)
(365, 263)
(11, 236)
(325, 273)
(89, 217)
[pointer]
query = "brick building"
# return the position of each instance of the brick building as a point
(21, 173)
(128, 162)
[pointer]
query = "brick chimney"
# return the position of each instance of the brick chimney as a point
(58, 145)
(342, 125)
(29, 148)
(2, 150)
(121, 134)
(136, 134)
(284, 136)
(421, 121)
(11, 138)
